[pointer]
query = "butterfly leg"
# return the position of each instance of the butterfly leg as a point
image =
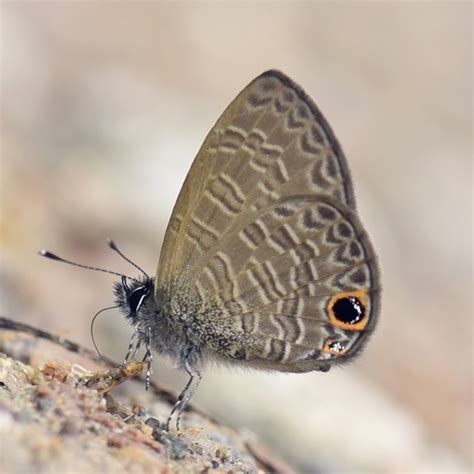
(195, 376)
(132, 347)
(187, 393)
(148, 358)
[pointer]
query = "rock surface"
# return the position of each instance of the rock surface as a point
(58, 413)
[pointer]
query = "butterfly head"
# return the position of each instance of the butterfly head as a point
(135, 297)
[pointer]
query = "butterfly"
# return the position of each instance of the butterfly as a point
(265, 262)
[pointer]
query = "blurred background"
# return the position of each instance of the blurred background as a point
(103, 108)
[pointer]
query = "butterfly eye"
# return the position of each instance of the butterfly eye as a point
(348, 310)
(136, 298)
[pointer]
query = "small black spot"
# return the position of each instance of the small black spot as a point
(326, 213)
(344, 230)
(348, 310)
(359, 277)
(355, 250)
(331, 168)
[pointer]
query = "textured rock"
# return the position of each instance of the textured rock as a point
(58, 416)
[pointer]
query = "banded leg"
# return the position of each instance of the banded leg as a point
(132, 347)
(148, 358)
(187, 393)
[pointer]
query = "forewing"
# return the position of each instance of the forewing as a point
(270, 142)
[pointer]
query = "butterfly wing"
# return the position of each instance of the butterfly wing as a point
(265, 227)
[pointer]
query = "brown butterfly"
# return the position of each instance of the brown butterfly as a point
(265, 262)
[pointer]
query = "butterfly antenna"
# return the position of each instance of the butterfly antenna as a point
(114, 247)
(52, 256)
(92, 330)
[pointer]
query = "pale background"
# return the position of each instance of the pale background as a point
(105, 104)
